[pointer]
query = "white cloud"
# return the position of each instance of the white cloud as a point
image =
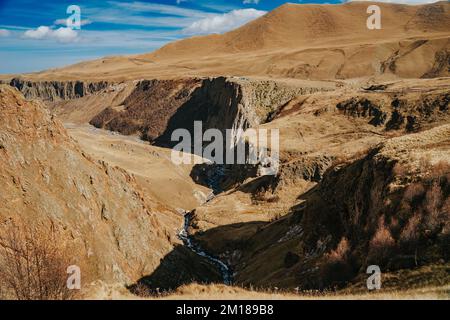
(63, 22)
(40, 33)
(62, 34)
(250, 2)
(65, 35)
(4, 33)
(224, 22)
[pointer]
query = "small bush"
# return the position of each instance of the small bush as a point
(412, 232)
(433, 202)
(400, 170)
(381, 246)
(33, 264)
(264, 196)
(446, 217)
(341, 252)
(414, 194)
(440, 170)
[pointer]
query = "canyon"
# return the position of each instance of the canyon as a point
(364, 172)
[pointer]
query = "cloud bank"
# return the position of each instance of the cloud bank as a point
(64, 35)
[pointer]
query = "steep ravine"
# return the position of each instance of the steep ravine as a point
(155, 108)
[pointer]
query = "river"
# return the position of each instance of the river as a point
(225, 270)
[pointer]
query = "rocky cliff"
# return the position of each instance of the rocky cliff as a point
(57, 90)
(154, 108)
(157, 107)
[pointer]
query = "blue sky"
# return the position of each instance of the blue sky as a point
(34, 35)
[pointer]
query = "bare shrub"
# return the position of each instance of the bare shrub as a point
(411, 232)
(425, 162)
(400, 170)
(446, 217)
(433, 202)
(263, 196)
(446, 208)
(336, 270)
(440, 170)
(381, 245)
(33, 264)
(142, 290)
(394, 225)
(413, 193)
(341, 251)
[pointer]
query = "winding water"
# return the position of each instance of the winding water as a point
(225, 270)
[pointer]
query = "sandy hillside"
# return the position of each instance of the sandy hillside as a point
(151, 166)
(297, 41)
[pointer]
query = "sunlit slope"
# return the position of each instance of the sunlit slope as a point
(297, 41)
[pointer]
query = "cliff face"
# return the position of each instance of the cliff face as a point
(118, 233)
(157, 107)
(147, 108)
(154, 108)
(57, 90)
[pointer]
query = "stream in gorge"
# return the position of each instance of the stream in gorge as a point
(225, 270)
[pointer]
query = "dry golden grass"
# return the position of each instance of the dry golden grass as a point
(197, 291)
(424, 283)
(222, 292)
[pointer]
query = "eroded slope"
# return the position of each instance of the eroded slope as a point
(118, 232)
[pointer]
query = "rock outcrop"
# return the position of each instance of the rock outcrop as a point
(57, 90)
(406, 111)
